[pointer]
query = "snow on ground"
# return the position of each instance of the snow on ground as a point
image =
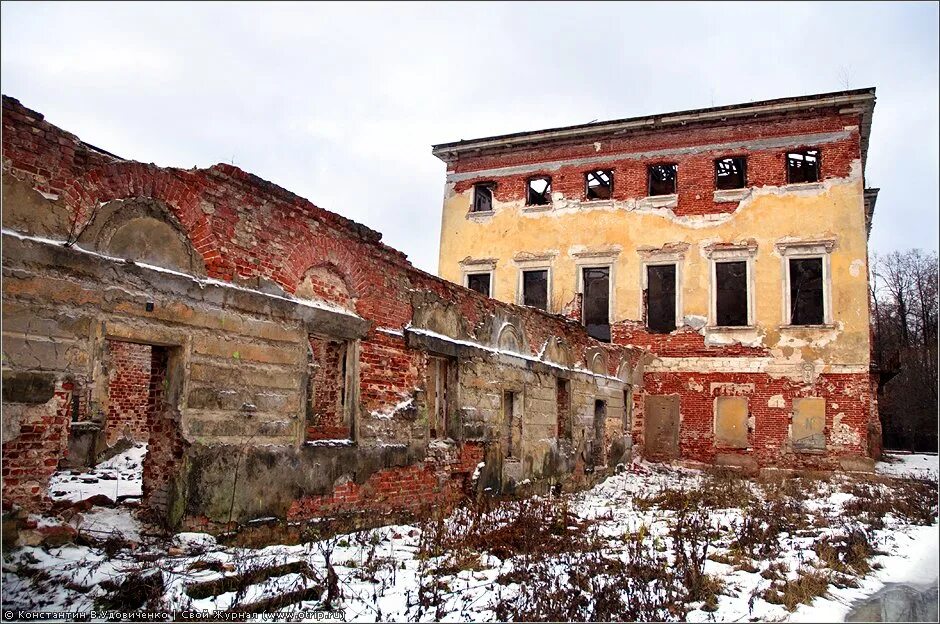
(383, 575)
(909, 464)
(117, 478)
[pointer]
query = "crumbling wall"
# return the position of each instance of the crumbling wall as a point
(228, 305)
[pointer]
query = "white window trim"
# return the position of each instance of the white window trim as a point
(644, 284)
(735, 253)
(802, 250)
(466, 279)
(605, 260)
(534, 265)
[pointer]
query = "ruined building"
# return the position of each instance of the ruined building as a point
(278, 359)
(730, 243)
(690, 285)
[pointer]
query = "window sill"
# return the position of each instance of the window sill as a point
(824, 326)
(480, 216)
(658, 201)
(731, 195)
(540, 208)
(803, 186)
(730, 328)
(810, 451)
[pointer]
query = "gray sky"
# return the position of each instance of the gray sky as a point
(341, 103)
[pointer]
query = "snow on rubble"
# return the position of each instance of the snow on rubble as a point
(118, 478)
(448, 568)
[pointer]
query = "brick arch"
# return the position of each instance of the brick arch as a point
(180, 191)
(317, 252)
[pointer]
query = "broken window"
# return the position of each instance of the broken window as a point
(563, 399)
(730, 173)
(731, 414)
(438, 395)
(661, 298)
(326, 389)
(479, 282)
(803, 166)
(806, 291)
(600, 433)
(512, 421)
(599, 184)
(662, 179)
(596, 302)
(538, 191)
(731, 294)
(535, 288)
(482, 197)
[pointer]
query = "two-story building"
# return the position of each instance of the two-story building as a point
(729, 242)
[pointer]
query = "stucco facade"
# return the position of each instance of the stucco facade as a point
(766, 223)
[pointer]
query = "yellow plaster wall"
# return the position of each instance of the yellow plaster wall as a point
(834, 210)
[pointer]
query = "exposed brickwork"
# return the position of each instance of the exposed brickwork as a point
(411, 488)
(326, 413)
(128, 391)
(166, 445)
(683, 342)
(31, 458)
(696, 176)
(770, 404)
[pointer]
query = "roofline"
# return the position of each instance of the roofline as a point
(864, 99)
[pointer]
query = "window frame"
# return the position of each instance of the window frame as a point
(806, 250)
(520, 291)
(491, 187)
(736, 253)
(803, 151)
(649, 179)
(743, 159)
(579, 288)
(528, 181)
(468, 273)
(610, 172)
(644, 301)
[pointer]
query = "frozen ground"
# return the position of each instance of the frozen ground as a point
(117, 478)
(397, 573)
(900, 464)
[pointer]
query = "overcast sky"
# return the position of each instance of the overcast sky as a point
(341, 103)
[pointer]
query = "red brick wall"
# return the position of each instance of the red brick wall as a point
(696, 174)
(410, 488)
(29, 459)
(166, 445)
(128, 391)
(326, 416)
(845, 394)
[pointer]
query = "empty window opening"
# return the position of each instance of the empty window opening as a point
(479, 282)
(130, 381)
(806, 291)
(327, 416)
(596, 302)
(563, 399)
(731, 294)
(599, 184)
(438, 395)
(803, 166)
(600, 433)
(730, 173)
(539, 191)
(512, 423)
(662, 179)
(535, 288)
(482, 198)
(661, 298)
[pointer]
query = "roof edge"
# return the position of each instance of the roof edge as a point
(865, 98)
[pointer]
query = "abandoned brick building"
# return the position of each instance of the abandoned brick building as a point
(278, 359)
(630, 281)
(729, 243)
